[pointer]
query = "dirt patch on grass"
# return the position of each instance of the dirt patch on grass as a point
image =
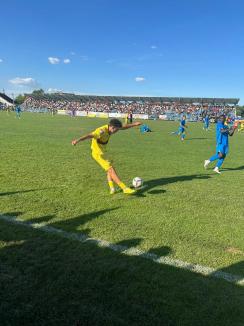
(235, 251)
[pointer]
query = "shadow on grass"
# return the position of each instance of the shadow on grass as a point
(48, 280)
(9, 193)
(129, 242)
(197, 138)
(73, 223)
(239, 168)
(161, 251)
(151, 184)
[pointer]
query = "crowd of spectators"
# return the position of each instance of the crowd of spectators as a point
(152, 108)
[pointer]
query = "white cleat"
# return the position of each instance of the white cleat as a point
(112, 191)
(206, 163)
(216, 169)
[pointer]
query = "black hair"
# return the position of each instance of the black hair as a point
(115, 123)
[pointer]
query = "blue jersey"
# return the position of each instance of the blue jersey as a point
(222, 138)
(182, 126)
(183, 123)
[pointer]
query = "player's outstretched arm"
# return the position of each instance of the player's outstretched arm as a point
(130, 125)
(76, 141)
(232, 131)
(225, 130)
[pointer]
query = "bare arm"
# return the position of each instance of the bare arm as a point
(232, 131)
(130, 125)
(224, 130)
(229, 131)
(76, 141)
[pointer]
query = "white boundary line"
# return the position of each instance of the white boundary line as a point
(199, 269)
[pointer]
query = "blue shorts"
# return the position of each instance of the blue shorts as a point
(224, 149)
(181, 130)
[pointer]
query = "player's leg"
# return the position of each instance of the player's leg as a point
(110, 184)
(105, 164)
(221, 158)
(183, 135)
(211, 159)
(114, 176)
(111, 173)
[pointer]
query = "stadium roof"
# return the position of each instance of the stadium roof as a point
(180, 100)
(6, 98)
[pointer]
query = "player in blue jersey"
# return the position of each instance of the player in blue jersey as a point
(222, 144)
(182, 129)
(206, 123)
(18, 111)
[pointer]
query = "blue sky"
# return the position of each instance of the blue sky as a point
(129, 47)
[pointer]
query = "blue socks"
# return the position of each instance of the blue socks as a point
(214, 158)
(220, 162)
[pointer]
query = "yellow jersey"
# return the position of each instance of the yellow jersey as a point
(100, 137)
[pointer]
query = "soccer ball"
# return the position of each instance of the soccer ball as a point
(137, 182)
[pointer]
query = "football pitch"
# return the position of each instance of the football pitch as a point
(183, 213)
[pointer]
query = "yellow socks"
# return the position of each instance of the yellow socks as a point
(126, 190)
(122, 185)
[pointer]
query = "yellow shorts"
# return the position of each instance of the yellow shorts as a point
(100, 159)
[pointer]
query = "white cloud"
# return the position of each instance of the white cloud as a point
(28, 81)
(53, 61)
(1, 60)
(66, 61)
(72, 53)
(154, 47)
(140, 79)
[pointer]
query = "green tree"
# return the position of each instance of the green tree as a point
(240, 110)
(19, 99)
(38, 92)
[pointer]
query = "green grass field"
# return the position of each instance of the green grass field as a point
(183, 212)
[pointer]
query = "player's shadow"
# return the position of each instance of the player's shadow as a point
(129, 242)
(153, 183)
(71, 224)
(234, 271)
(160, 251)
(197, 138)
(239, 168)
(9, 193)
(156, 191)
(12, 214)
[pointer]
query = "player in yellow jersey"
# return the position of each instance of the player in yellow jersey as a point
(100, 138)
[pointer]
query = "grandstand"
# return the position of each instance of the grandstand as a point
(114, 99)
(167, 108)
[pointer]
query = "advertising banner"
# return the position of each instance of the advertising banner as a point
(91, 114)
(81, 113)
(163, 117)
(63, 112)
(116, 115)
(101, 114)
(140, 116)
